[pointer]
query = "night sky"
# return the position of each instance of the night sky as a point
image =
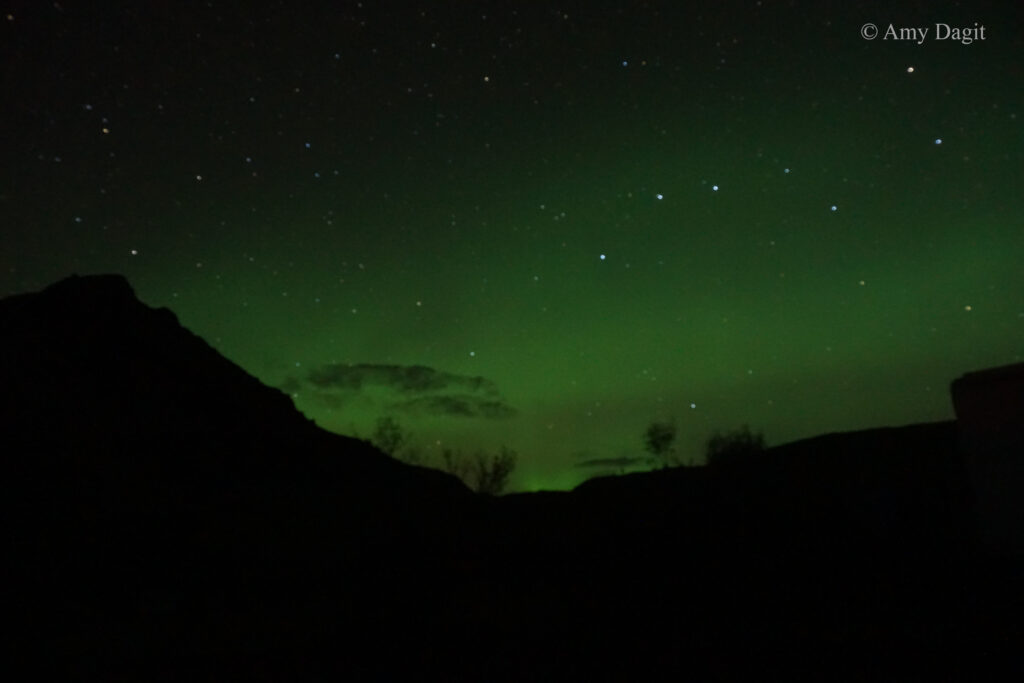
(541, 227)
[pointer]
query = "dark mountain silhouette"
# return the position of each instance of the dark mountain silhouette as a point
(171, 518)
(990, 411)
(92, 374)
(162, 498)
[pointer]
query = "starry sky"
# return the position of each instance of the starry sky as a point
(544, 226)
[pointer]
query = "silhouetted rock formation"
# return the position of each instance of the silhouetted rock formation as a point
(93, 376)
(990, 413)
(172, 518)
(155, 485)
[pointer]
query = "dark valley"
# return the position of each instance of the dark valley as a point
(171, 518)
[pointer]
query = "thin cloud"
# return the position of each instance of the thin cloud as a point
(456, 406)
(411, 379)
(410, 389)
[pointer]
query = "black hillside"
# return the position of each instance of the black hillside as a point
(169, 517)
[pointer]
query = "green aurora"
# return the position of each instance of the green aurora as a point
(609, 216)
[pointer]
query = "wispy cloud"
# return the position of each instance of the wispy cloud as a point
(456, 406)
(403, 378)
(410, 389)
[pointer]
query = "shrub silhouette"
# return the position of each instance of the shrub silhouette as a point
(483, 474)
(388, 436)
(490, 475)
(658, 441)
(456, 464)
(733, 447)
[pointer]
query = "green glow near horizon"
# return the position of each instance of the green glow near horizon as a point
(445, 220)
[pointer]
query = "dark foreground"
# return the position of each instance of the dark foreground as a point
(169, 518)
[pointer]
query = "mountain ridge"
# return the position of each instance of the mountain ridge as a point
(85, 357)
(173, 517)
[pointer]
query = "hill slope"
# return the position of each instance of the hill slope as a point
(171, 517)
(160, 497)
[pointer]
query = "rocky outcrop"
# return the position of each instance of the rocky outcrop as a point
(989, 408)
(170, 517)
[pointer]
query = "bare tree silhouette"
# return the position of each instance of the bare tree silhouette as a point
(388, 435)
(490, 475)
(733, 447)
(658, 440)
(482, 473)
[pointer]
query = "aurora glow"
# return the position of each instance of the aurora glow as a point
(609, 214)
